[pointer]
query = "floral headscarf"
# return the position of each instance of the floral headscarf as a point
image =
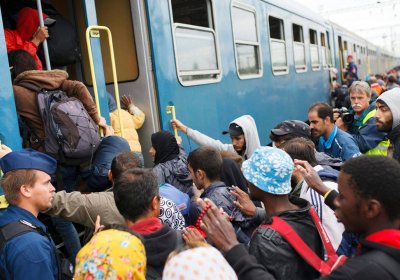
(199, 263)
(111, 254)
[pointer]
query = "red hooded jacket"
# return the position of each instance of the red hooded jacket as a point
(20, 39)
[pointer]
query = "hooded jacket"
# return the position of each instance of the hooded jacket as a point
(26, 100)
(392, 100)
(248, 125)
(132, 120)
(20, 38)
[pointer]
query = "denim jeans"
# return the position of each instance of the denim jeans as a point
(66, 229)
(96, 176)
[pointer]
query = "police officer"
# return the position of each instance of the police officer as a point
(28, 190)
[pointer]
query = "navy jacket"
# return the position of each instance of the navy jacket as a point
(29, 255)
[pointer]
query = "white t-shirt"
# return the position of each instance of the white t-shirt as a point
(326, 214)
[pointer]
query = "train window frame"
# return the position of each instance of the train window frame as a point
(283, 70)
(255, 44)
(299, 68)
(211, 76)
(314, 67)
(324, 49)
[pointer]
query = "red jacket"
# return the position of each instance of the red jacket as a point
(20, 39)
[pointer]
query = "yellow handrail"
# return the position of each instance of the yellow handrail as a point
(91, 31)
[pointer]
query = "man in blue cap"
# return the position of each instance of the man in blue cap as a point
(28, 190)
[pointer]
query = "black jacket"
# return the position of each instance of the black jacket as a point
(377, 261)
(158, 246)
(277, 255)
(394, 137)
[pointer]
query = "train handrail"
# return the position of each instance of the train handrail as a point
(45, 47)
(89, 33)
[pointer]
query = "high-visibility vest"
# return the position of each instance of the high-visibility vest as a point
(382, 148)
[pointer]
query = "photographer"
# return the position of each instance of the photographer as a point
(359, 121)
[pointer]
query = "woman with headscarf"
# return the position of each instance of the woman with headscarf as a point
(112, 254)
(170, 165)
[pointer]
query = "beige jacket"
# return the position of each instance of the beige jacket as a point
(84, 208)
(131, 121)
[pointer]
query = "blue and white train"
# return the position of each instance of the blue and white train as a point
(214, 60)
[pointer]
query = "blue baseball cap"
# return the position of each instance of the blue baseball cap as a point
(28, 159)
(270, 170)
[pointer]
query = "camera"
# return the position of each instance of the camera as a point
(347, 117)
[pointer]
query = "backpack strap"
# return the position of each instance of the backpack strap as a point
(297, 243)
(14, 229)
(30, 86)
(332, 256)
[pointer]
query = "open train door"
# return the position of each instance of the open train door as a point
(127, 22)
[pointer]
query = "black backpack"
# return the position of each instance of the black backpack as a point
(72, 137)
(63, 42)
(14, 229)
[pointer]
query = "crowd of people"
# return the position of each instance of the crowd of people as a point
(319, 202)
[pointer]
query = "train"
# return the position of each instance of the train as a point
(209, 60)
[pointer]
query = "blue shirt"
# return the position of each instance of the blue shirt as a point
(339, 144)
(29, 255)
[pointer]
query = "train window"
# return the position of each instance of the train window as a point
(328, 51)
(193, 12)
(196, 49)
(299, 49)
(315, 59)
(277, 46)
(117, 16)
(324, 51)
(247, 45)
(345, 45)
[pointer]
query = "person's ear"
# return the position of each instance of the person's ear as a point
(109, 175)
(26, 191)
(372, 208)
(155, 203)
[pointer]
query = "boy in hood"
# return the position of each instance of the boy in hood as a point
(243, 133)
(387, 119)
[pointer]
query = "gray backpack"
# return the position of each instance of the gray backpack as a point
(71, 134)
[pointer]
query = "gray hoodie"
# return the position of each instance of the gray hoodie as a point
(248, 125)
(392, 100)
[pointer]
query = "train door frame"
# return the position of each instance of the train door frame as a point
(9, 135)
(142, 89)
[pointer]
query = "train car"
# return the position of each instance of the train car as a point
(213, 60)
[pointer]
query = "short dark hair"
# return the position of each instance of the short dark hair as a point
(207, 159)
(20, 61)
(122, 162)
(133, 192)
(301, 148)
(376, 177)
(323, 110)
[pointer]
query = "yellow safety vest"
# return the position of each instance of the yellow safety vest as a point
(382, 148)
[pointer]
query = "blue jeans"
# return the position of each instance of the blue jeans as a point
(66, 229)
(96, 176)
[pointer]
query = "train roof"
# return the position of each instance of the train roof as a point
(303, 11)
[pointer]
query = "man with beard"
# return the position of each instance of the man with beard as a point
(388, 119)
(332, 140)
(370, 140)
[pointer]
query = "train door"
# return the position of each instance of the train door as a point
(9, 133)
(342, 55)
(127, 22)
